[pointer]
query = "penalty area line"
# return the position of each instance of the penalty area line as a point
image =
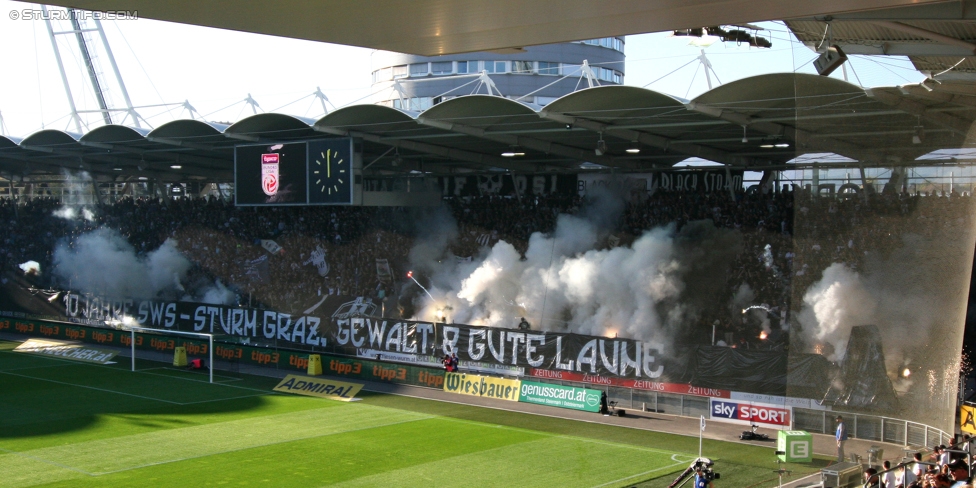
(181, 378)
(91, 388)
(284, 441)
(645, 473)
(45, 461)
(231, 398)
(183, 374)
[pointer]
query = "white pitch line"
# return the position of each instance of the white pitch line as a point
(231, 398)
(38, 367)
(427, 417)
(92, 388)
(45, 461)
(68, 362)
(562, 436)
(228, 378)
(639, 474)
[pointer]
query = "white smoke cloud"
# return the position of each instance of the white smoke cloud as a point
(218, 295)
(102, 262)
(75, 201)
(566, 282)
(914, 308)
(836, 303)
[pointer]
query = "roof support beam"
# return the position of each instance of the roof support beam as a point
(527, 142)
(803, 139)
(118, 162)
(968, 101)
(935, 36)
(955, 124)
(664, 143)
(482, 160)
(181, 143)
(199, 161)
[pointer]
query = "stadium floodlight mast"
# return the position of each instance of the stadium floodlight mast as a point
(132, 343)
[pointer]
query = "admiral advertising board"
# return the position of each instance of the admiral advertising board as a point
(750, 413)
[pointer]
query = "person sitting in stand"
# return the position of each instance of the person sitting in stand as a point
(958, 470)
(888, 478)
(871, 479)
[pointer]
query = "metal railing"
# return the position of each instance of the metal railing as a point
(861, 426)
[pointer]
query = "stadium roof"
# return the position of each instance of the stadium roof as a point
(939, 39)
(758, 122)
(432, 27)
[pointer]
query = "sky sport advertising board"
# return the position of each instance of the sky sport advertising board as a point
(747, 413)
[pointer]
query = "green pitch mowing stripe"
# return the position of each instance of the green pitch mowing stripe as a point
(425, 452)
(553, 461)
(72, 424)
(105, 456)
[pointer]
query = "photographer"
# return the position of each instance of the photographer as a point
(701, 480)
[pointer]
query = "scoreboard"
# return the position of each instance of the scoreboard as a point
(298, 173)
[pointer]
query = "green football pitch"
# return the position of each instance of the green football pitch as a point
(65, 423)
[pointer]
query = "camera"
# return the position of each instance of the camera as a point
(705, 466)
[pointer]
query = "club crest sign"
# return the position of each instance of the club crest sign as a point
(269, 174)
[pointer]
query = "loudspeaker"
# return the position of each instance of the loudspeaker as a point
(829, 60)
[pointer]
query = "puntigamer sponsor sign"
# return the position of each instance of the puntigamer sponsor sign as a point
(560, 396)
(484, 386)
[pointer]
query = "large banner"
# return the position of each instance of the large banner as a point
(657, 386)
(360, 369)
(338, 327)
(634, 184)
(507, 184)
(347, 326)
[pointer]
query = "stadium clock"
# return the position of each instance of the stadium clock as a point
(330, 174)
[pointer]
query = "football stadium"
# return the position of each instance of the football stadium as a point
(516, 262)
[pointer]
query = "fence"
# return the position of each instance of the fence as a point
(871, 427)
(860, 426)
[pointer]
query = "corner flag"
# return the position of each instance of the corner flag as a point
(703, 423)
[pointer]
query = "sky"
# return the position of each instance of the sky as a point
(215, 70)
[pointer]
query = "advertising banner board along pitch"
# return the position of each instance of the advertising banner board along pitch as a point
(66, 350)
(560, 396)
(483, 386)
(319, 387)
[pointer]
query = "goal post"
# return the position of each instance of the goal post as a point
(200, 335)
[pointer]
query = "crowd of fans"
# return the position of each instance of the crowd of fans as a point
(941, 467)
(788, 239)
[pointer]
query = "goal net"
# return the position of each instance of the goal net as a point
(155, 347)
